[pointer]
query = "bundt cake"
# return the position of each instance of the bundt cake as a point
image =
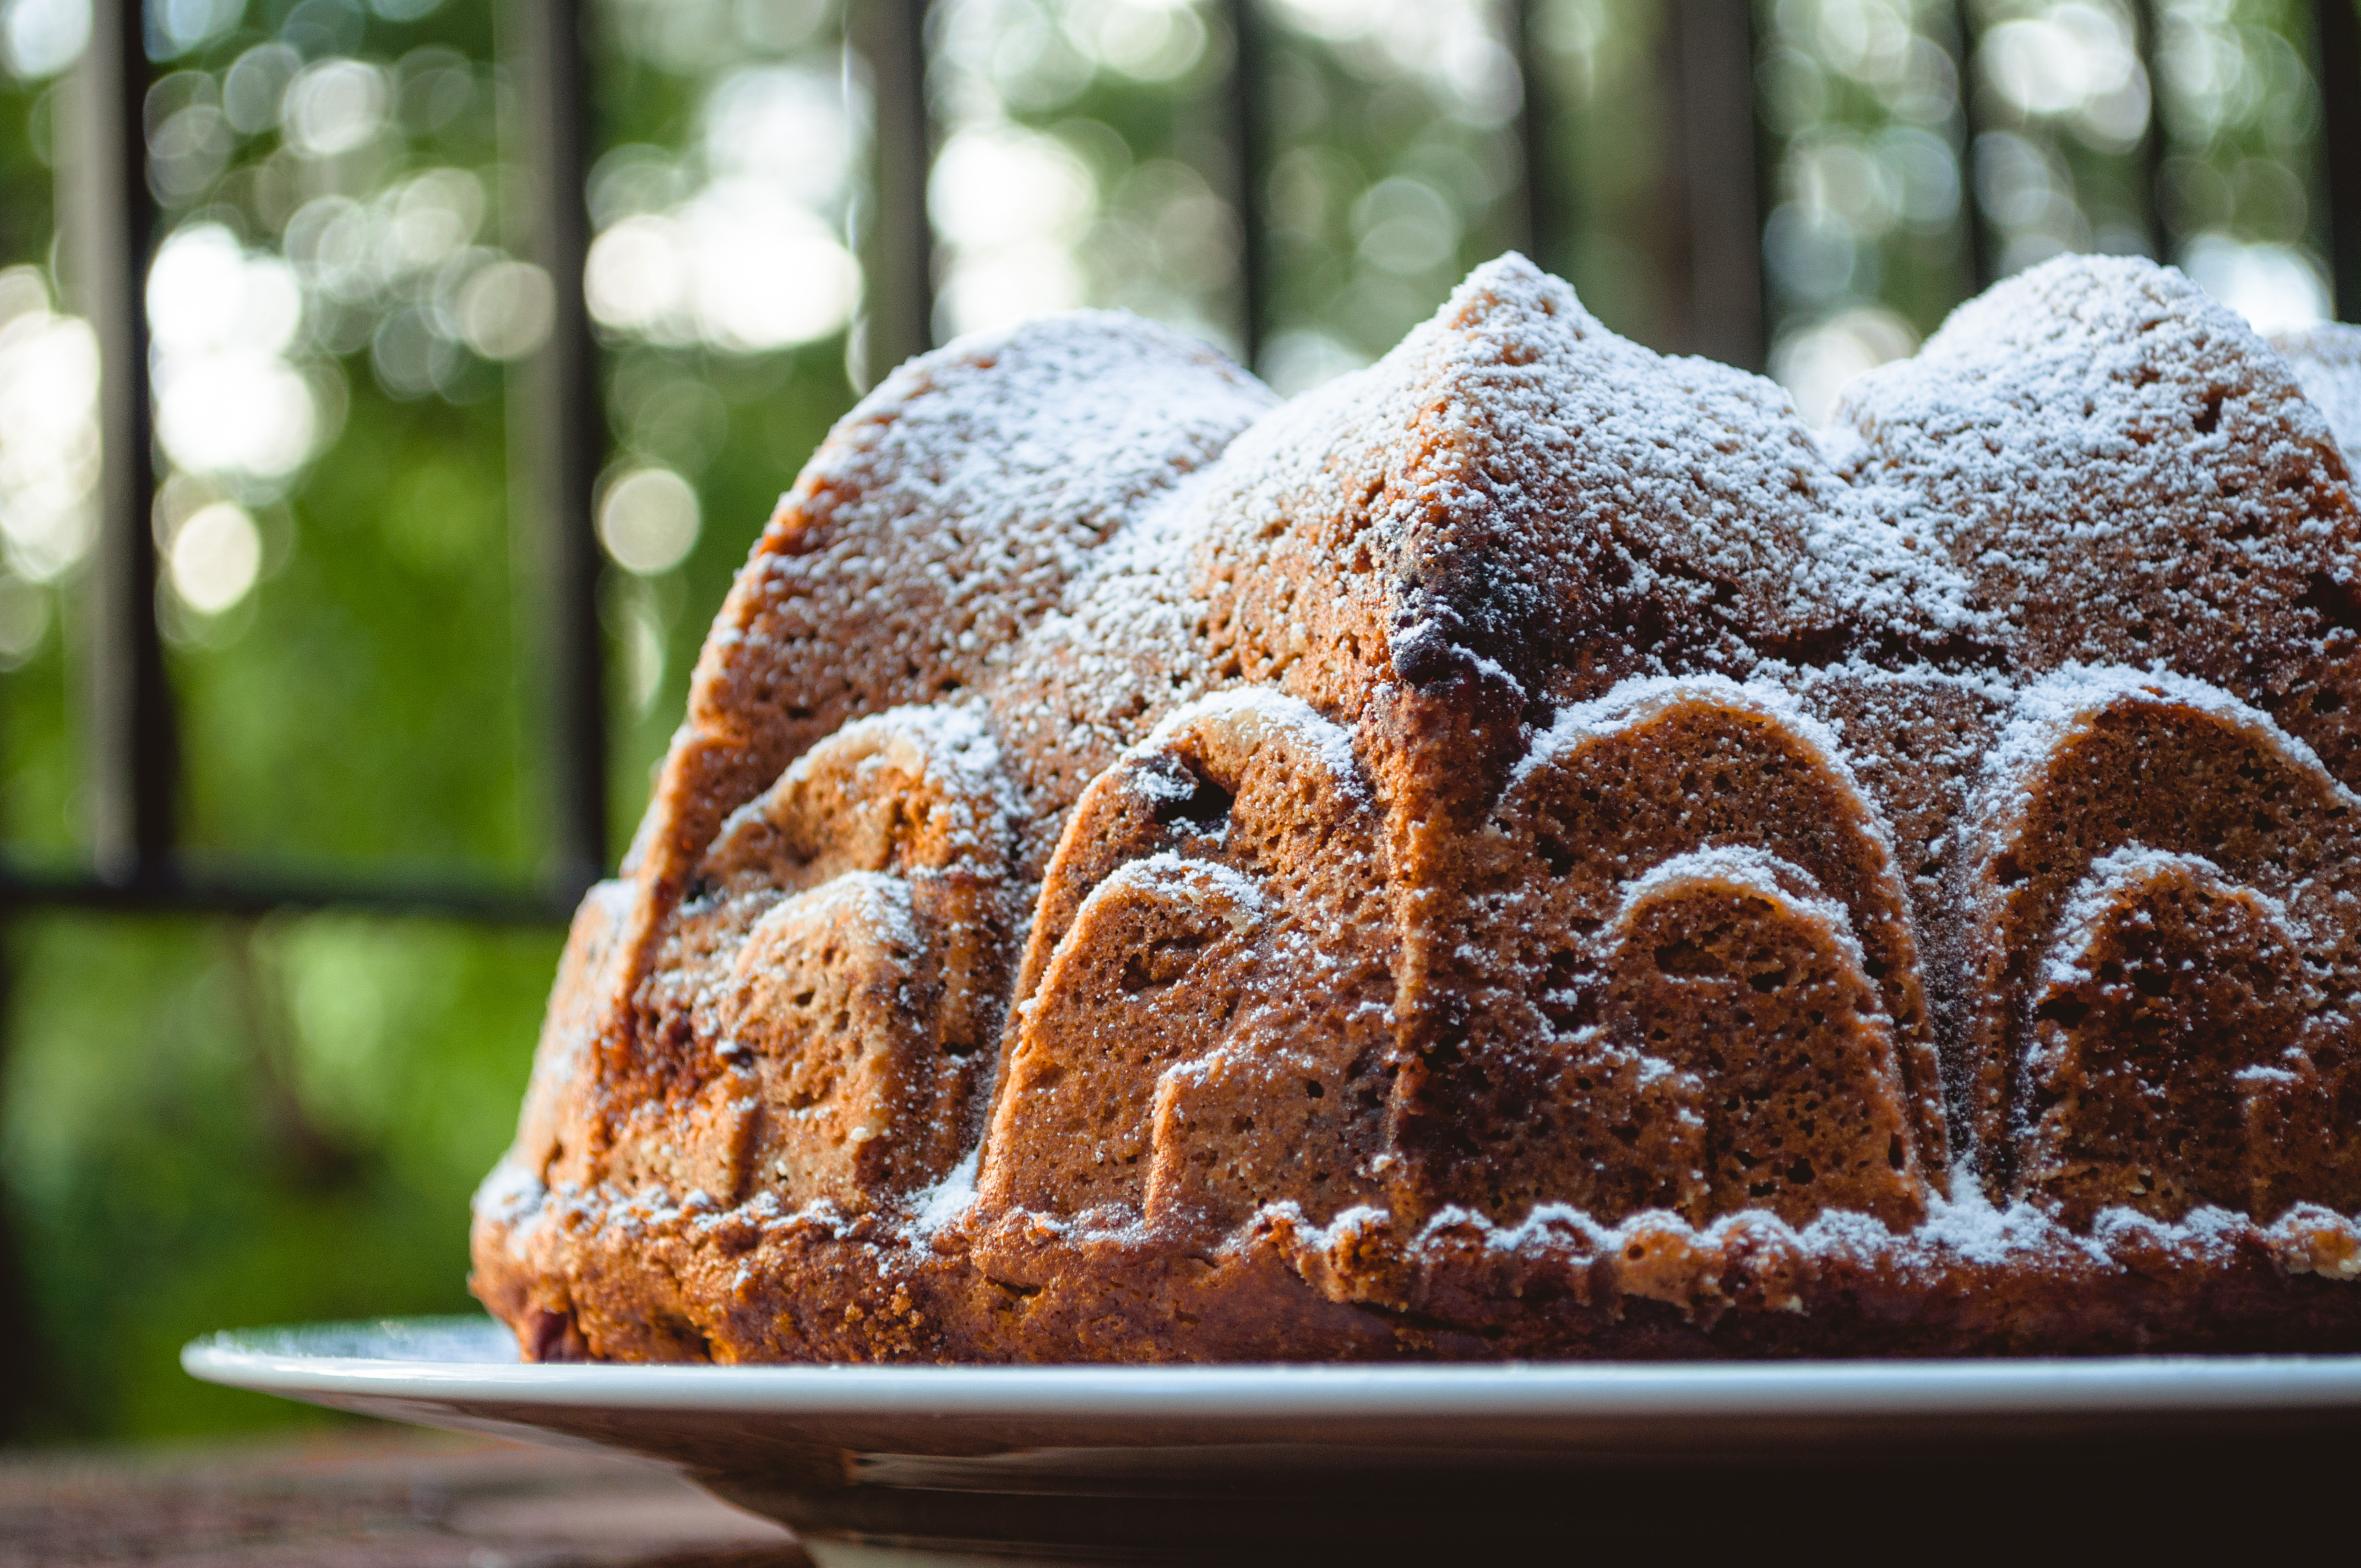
(1526, 850)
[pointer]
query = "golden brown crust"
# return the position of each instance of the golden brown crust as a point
(1615, 793)
(2130, 766)
(2140, 1088)
(1202, 1035)
(1527, 850)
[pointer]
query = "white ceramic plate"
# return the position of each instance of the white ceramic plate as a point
(875, 1464)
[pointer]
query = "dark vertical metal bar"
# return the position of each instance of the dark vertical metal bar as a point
(128, 705)
(1980, 261)
(2151, 143)
(1725, 181)
(1250, 149)
(1537, 130)
(898, 247)
(2337, 24)
(569, 434)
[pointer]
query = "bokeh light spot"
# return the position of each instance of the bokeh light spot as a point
(648, 520)
(214, 557)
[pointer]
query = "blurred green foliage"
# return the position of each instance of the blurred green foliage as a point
(1604, 66)
(1395, 168)
(369, 707)
(227, 1121)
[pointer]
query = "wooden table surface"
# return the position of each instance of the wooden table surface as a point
(373, 1496)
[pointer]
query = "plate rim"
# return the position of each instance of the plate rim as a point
(269, 1360)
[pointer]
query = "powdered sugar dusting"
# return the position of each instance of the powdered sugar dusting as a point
(1745, 868)
(1522, 482)
(1964, 1228)
(948, 1200)
(2113, 457)
(994, 467)
(1332, 743)
(1635, 702)
(2066, 700)
(2104, 887)
(1204, 882)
